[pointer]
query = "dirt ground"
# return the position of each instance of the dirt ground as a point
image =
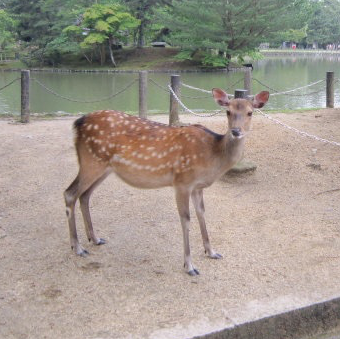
(278, 230)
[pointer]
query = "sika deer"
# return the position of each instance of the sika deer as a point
(148, 154)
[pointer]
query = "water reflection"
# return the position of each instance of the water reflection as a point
(279, 74)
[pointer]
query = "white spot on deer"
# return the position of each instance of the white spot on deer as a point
(95, 126)
(101, 132)
(89, 126)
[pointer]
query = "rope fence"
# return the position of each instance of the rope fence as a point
(175, 94)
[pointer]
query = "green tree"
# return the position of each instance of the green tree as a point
(144, 11)
(103, 25)
(7, 28)
(40, 24)
(228, 28)
(324, 28)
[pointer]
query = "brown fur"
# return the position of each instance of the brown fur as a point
(148, 154)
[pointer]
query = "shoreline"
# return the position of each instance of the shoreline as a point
(265, 53)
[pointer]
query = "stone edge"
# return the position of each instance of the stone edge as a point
(299, 323)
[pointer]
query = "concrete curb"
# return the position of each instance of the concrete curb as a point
(310, 320)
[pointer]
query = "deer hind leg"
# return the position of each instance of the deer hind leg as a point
(182, 200)
(84, 180)
(84, 206)
(197, 199)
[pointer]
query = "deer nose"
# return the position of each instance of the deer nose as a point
(236, 132)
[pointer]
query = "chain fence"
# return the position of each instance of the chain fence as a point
(189, 110)
(302, 133)
(292, 90)
(84, 101)
(9, 84)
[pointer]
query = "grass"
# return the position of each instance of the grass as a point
(17, 64)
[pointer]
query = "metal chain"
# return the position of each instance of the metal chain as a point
(234, 84)
(9, 84)
(292, 90)
(85, 101)
(184, 96)
(189, 110)
(305, 134)
(206, 91)
(158, 85)
(195, 88)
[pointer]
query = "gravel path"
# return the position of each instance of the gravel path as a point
(277, 228)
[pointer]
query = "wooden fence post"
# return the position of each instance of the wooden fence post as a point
(241, 94)
(25, 96)
(143, 90)
(248, 80)
(174, 106)
(330, 89)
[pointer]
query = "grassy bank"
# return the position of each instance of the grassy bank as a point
(127, 59)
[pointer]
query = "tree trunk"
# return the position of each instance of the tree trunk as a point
(88, 58)
(140, 42)
(111, 53)
(102, 53)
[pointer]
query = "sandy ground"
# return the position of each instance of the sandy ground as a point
(278, 230)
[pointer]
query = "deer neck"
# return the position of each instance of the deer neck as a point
(232, 150)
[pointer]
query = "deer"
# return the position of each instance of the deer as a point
(147, 154)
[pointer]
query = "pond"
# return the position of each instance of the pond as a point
(280, 74)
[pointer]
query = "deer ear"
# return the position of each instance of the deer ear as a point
(260, 99)
(220, 97)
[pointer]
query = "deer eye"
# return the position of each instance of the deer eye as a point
(250, 114)
(228, 113)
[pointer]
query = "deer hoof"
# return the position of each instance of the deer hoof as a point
(83, 253)
(216, 256)
(193, 272)
(101, 242)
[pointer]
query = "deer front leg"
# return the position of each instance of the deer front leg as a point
(182, 200)
(197, 199)
(71, 196)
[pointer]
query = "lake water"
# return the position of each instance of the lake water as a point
(280, 74)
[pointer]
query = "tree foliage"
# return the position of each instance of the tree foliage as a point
(229, 27)
(103, 25)
(144, 11)
(212, 30)
(324, 28)
(7, 27)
